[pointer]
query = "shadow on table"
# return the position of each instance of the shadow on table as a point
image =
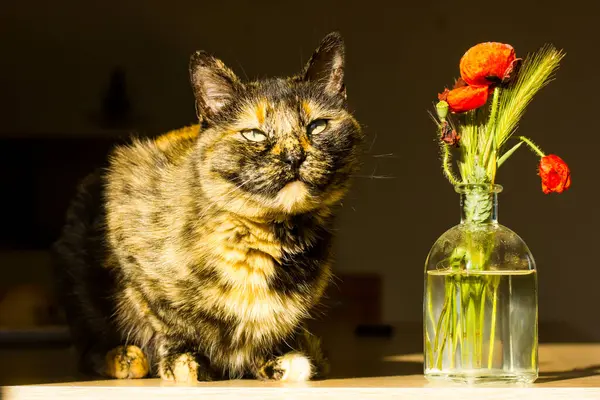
(375, 368)
(555, 376)
(372, 351)
(378, 352)
(558, 332)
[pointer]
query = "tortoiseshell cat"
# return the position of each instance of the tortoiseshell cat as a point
(199, 255)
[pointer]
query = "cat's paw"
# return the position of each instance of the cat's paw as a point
(291, 367)
(126, 362)
(179, 368)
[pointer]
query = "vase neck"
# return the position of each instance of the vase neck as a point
(478, 203)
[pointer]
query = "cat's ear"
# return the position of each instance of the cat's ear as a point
(213, 83)
(326, 66)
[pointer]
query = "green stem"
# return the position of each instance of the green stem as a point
(464, 304)
(429, 349)
(491, 125)
(450, 324)
(431, 320)
(437, 346)
(455, 320)
(493, 327)
(508, 153)
(492, 165)
(447, 167)
(481, 321)
(534, 350)
(532, 146)
(471, 318)
(430, 302)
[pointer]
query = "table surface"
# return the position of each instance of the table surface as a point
(362, 368)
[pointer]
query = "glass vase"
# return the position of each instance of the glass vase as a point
(480, 298)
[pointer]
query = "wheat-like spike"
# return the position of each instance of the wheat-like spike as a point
(537, 71)
(478, 206)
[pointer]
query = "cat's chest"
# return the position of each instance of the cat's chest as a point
(247, 288)
(248, 266)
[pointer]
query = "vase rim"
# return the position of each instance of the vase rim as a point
(467, 187)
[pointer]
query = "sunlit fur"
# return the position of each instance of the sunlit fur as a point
(207, 250)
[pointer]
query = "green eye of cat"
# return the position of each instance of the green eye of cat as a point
(317, 126)
(254, 135)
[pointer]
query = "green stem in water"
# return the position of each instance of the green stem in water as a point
(493, 327)
(428, 342)
(450, 324)
(429, 349)
(464, 303)
(439, 347)
(442, 322)
(534, 350)
(481, 321)
(532, 146)
(430, 304)
(471, 320)
(455, 319)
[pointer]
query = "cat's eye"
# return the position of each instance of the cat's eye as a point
(317, 126)
(254, 135)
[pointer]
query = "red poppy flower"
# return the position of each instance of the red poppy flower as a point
(466, 98)
(487, 63)
(555, 174)
(482, 66)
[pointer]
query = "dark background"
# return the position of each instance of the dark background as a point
(57, 59)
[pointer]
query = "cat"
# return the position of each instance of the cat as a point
(200, 254)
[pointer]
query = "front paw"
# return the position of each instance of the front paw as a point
(291, 367)
(126, 362)
(179, 368)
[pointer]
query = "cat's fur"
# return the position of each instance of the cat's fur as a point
(199, 255)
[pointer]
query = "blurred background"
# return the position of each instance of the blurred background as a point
(77, 78)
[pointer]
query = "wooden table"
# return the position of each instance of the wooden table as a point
(363, 368)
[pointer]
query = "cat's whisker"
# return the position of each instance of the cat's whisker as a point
(128, 335)
(243, 70)
(289, 345)
(387, 155)
(374, 176)
(372, 143)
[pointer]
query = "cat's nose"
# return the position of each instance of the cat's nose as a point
(294, 157)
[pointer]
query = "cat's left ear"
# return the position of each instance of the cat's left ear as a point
(213, 83)
(326, 66)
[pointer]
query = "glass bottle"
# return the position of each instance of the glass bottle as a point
(480, 298)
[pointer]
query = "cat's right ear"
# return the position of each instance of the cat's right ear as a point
(326, 66)
(213, 83)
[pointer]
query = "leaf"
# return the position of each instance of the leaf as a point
(509, 153)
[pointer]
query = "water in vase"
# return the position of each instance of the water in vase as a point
(481, 326)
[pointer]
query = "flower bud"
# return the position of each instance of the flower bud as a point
(442, 110)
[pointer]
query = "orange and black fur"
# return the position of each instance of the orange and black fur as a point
(200, 254)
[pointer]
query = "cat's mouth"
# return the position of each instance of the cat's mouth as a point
(293, 195)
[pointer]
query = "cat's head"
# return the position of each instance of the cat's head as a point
(276, 146)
